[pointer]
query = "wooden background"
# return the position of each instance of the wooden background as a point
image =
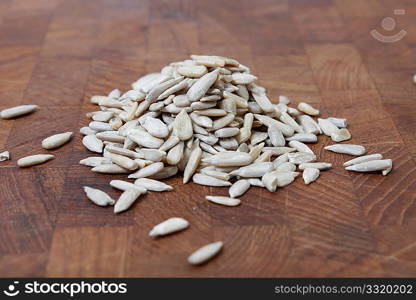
(58, 53)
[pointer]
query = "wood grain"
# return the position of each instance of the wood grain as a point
(57, 54)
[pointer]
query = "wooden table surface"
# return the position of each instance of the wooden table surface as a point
(57, 54)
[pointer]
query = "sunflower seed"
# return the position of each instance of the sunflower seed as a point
(192, 71)
(276, 136)
(278, 150)
(310, 175)
(201, 120)
(103, 116)
(145, 139)
(169, 143)
(370, 166)
(205, 253)
(99, 126)
(284, 100)
(316, 165)
(243, 78)
(169, 226)
(388, 169)
(341, 135)
(303, 137)
(350, 149)
(110, 136)
(18, 111)
(123, 161)
(309, 125)
(192, 164)
(327, 127)
(157, 90)
(124, 152)
(239, 101)
(339, 122)
(255, 182)
(362, 159)
(200, 87)
(226, 132)
(109, 102)
(92, 143)
(175, 154)
(239, 188)
(301, 147)
(285, 178)
(94, 161)
(264, 102)
(222, 122)
(166, 172)
(125, 185)
(87, 131)
(228, 144)
(115, 94)
(229, 159)
(202, 179)
(280, 160)
(98, 197)
(209, 61)
(126, 200)
(212, 112)
(286, 167)
(223, 200)
(301, 157)
(56, 140)
(254, 170)
(176, 88)
(148, 170)
(269, 181)
(268, 121)
(308, 109)
(110, 169)
(156, 128)
(4, 156)
(153, 185)
(34, 160)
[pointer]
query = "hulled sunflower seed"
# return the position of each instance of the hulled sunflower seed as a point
(110, 169)
(303, 137)
(156, 128)
(388, 169)
(327, 127)
(276, 136)
(169, 226)
(226, 132)
(172, 141)
(34, 160)
(288, 120)
(192, 71)
(94, 161)
(166, 172)
(341, 135)
(310, 175)
(92, 143)
(175, 154)
(124, 152)
(269, 181)
(254, 170)
(316, 165)
(18, 111)
(308, 109)
(200, 87)
(148, 170)
(309, 125)
(205, 253)
(229, 159)
(371, 166)
(110, 136)
(145, 139)
(125, 185)
(192, 164)
(87, 131)
(268, 121)
(239, 188)
(126, 200)
(286, 167)
(202, 179)
(362, 159)
(98, 197)
(350, 149)
(301, 157)
(209, 60)
(339, 122)
(153, 185)
(5, 155)
(280, 160)
(123, 161)
(226, 201)
(301, 147)
(99, 126)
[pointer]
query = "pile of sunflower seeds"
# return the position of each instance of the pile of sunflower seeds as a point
(207, 118)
